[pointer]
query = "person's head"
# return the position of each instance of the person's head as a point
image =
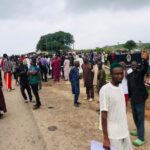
(66, 57)
(5, 56)
(85, 60)
(123, 64)
(80, 56)
(134, 65)
(33, 62)
(20, 62)
(117, 74)
(76, 64)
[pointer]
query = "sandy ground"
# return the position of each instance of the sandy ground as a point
(18, 129)
(74, 128)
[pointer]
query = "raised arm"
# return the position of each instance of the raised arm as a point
(144, 67)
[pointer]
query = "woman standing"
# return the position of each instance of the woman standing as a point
(2, 100)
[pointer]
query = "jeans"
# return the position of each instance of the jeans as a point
(36, 94)
(138, 112)
(76, 96)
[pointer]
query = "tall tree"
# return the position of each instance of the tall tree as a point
(130, 45)
(55, 41)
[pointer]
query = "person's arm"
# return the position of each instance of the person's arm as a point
(144, 68)
(104, 107)
(128, 83)
(106, 141)
(70, 75)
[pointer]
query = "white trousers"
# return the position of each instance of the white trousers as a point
(121, 144)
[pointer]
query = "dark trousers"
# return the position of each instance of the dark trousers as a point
(76, 96)
(138, 112)
(28, 89)
(44, 73)
(36, 93)
(90, 92)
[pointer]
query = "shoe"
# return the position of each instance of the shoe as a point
(134, 133)
(91, 99)
(1, 116)
(76, 105)
(138, 142)
(36, 107)
(26, 101)
(9, 90)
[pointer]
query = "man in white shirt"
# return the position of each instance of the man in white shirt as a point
(113, 112)
(80, 59)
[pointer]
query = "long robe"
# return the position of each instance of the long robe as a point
(74, 79)
(88, 75)
(66, 68)
(2, 100)
(95, 70)
(56, 68)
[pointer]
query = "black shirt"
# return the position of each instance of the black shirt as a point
(22, 72)
(136, 86)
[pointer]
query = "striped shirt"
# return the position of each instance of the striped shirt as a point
(112, 100)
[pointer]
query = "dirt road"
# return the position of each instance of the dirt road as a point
(57, 125)
(18, 129)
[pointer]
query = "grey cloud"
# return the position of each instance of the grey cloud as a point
(92, 5)
(28, 8)
(14, 8)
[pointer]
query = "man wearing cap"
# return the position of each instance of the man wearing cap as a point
(113, 112)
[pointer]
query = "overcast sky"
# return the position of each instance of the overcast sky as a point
(94, 23)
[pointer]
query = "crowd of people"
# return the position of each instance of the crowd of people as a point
(30, 71)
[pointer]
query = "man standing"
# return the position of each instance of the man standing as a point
(75, 83)
(34, 81)
(138, 95)
(113, 112)
(24, 81)
(44, 65)
(88, 79)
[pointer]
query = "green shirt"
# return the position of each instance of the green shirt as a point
(34, 79)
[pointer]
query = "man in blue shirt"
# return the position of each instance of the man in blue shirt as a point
(75, 84)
